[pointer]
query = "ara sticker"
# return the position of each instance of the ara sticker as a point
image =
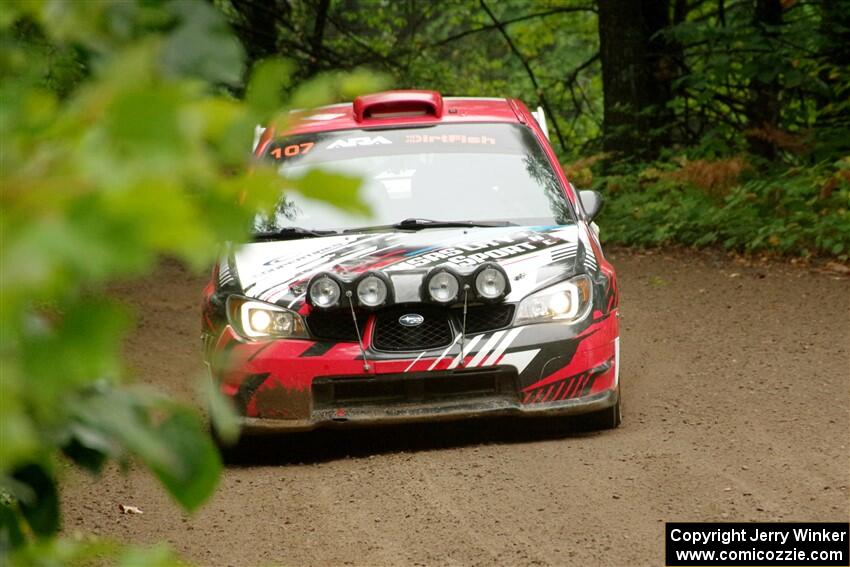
(358, 141)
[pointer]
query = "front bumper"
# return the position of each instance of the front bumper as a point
(443, 411)
(539, 370)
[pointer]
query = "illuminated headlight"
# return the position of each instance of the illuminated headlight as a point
(259, 320)
(442, 286)
(491, 283)
(567, 302)
(324, 292)
(372, 291)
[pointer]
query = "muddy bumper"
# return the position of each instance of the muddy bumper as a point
(346, 402)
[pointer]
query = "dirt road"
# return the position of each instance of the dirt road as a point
(736, 385)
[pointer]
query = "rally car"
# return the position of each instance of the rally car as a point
(476, 287)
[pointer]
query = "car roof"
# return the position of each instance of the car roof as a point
(443, 110)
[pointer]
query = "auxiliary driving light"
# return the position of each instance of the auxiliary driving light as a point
(372, 291)
(491, 283)
(324, 292)
(443, 286)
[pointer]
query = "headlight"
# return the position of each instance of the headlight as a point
(324, 292)
(442, 286)
(491, 283)
(372, 291)
(567, 302)
(257, 320)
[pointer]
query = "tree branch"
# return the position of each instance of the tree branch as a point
(540, 96)
(573, 76)
(493, 26)
(371, 52)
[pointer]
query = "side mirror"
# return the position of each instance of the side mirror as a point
(591, 202)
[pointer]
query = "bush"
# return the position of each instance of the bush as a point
(801, 211)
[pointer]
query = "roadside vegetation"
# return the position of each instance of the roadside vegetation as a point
(722, 123)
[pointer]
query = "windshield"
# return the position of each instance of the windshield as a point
(449, 172)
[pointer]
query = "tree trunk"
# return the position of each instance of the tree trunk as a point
(764, 107)
(638, 69)
(833, 121)
(257, 28)
(835, 27)
(318, 36)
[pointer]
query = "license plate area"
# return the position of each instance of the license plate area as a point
(412, 388)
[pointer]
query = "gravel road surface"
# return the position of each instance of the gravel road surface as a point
(736, 385)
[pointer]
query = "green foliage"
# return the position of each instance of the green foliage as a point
(803, 211)
(66, 551)
(120, 145)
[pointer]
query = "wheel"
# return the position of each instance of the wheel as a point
(608, 418)
(232, 452)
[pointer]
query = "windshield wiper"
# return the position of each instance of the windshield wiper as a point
(419, 224)
(291, 233)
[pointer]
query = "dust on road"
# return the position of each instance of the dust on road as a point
(736, 386)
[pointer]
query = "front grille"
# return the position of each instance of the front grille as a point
(335, 325)
(390, 335)
(334, 392)
(483, 318)
(435, 331)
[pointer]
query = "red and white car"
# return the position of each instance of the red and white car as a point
(477, 287)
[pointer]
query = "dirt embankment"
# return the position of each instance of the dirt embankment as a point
(736, 385)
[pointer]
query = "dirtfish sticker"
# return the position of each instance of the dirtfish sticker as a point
(448, 139)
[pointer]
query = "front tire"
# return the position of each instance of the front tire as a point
(608, 418)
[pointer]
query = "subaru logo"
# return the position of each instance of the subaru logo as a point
(411, 320)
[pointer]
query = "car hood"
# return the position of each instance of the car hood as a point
(278, 271)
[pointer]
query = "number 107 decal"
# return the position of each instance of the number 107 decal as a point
(292, 150)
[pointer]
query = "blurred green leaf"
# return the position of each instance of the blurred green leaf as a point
(90, 459)
(11, 534)
(202, 45)
(118, 420)
(270, 79)
(41, 511)
(197, 473)
(223, 415)
(156, 556)
(342, 191)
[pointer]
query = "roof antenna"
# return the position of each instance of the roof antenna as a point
(357, 328)
(463, 325)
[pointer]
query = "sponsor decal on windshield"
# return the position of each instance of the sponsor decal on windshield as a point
(358, 141)
(448, 139)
